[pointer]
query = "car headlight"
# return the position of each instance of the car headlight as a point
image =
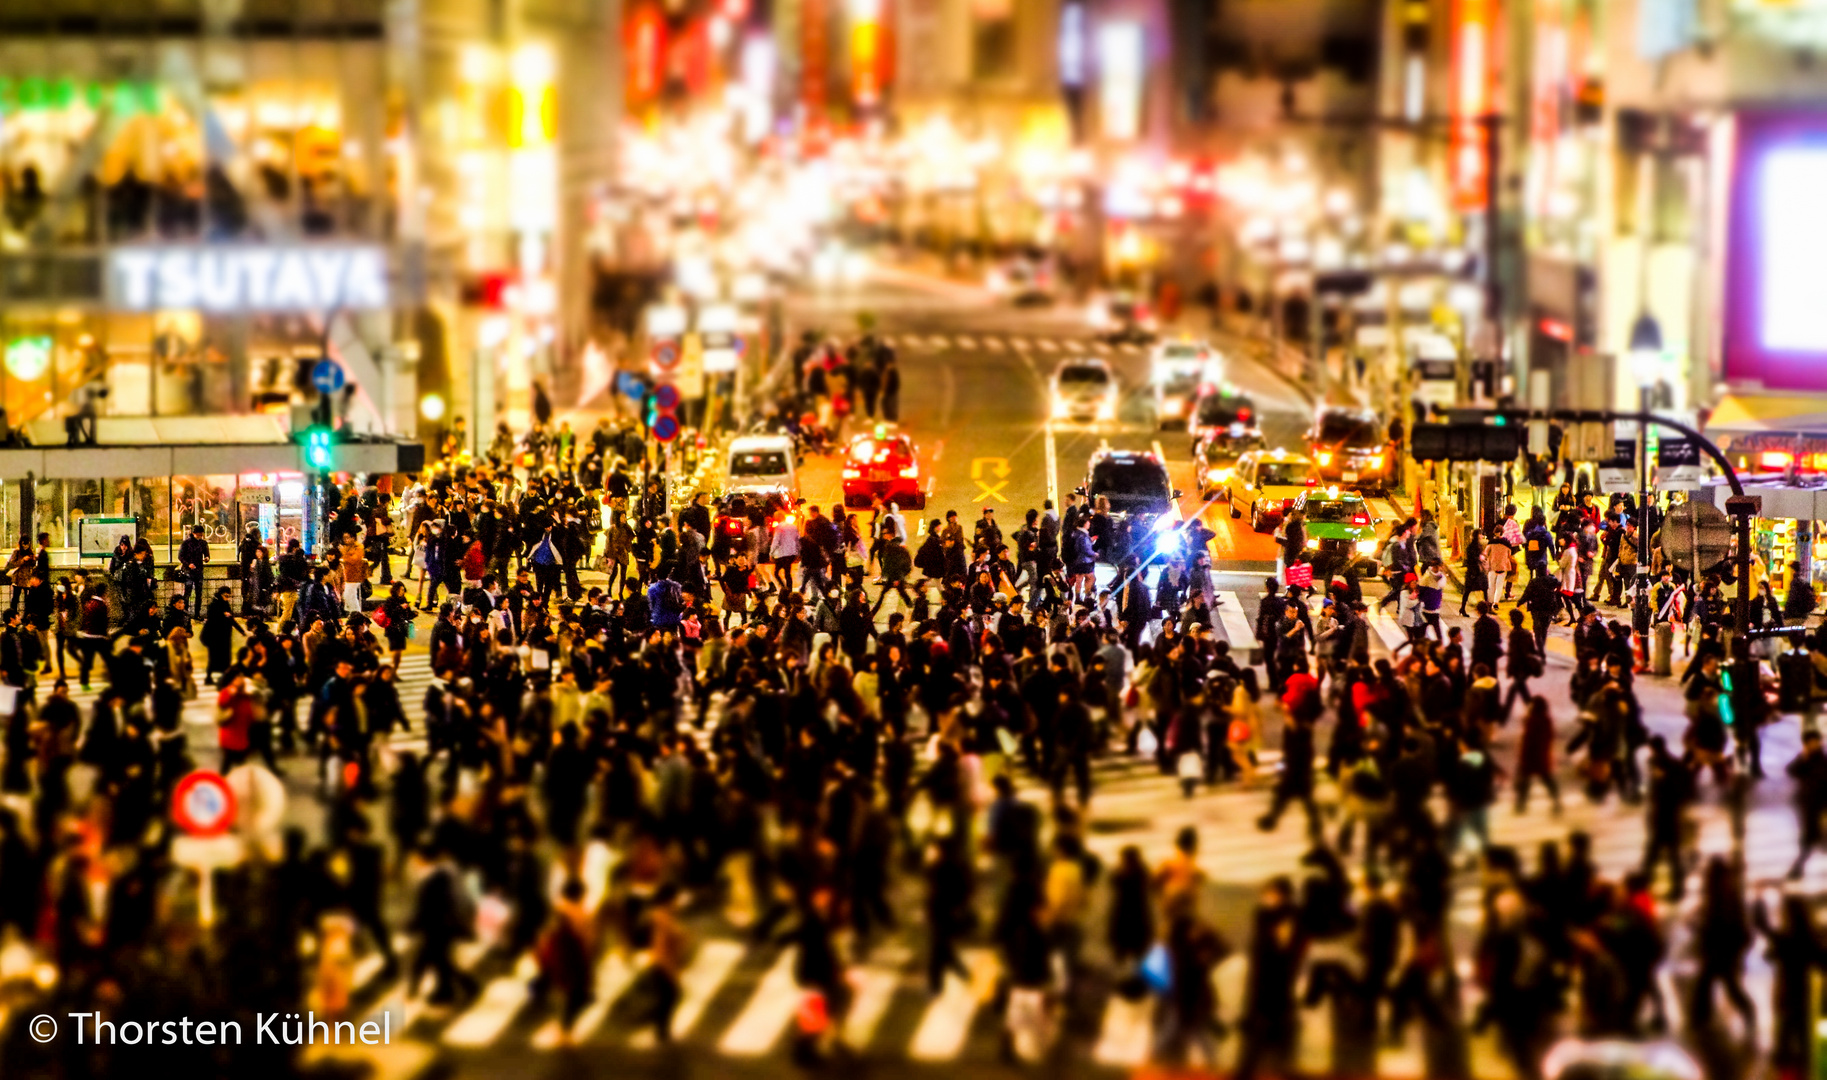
(1163, 524)
(1367, 547)
(1173, 406)
(1222, 475)
(910, 472)
(1376, 461)
(1106, 410)
(1313, 541)
(1323, 458)
(1060, 408)
(1098, 317)
(1167, 545)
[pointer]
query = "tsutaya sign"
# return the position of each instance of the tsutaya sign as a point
(305, 278)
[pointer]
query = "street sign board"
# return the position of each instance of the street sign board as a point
(666, 428)
(202, 804)
(666, 396)
(328, 376)
(690, 373)
(666, 355)
(1678, 464)
(630, 385)
(96, 537)
(254, 496)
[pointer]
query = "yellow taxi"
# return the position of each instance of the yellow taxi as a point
(1265, 484)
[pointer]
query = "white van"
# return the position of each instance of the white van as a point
(760, 464)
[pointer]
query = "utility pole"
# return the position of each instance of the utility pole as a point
(1492, 126)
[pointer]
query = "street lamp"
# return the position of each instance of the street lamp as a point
(1646, 369)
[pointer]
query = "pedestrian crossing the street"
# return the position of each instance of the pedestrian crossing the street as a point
(1019, 343)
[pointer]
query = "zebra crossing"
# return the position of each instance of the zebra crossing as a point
(1016, 343)
(739, 1000)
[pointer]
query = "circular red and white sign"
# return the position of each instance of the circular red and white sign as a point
(202, 804)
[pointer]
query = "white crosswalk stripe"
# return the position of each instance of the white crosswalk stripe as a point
(497, 1005)
(709, 967)
(943, 1029)
(768, 1013)
(994, 344)
(1046, 345)
(967, 343)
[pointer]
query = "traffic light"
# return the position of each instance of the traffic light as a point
(1465, 442)
(317, 448)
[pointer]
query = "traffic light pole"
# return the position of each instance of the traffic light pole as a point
(1740, 508)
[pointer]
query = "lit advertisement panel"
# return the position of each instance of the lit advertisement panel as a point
(1775, 293)
(1119, 54)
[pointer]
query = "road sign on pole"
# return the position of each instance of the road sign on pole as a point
(630, 385)
(666, 355)
(666, 428)
(328, 376)
(202, 804)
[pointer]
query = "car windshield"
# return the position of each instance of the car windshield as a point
(1281, 472)
(867, 450)
(1230, 449)
(1338, 510)
(1223, 410)
(1083, 376)
(1347, 429)
(758, 463)
(1131, 485)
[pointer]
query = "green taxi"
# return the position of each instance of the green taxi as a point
(1341, 530)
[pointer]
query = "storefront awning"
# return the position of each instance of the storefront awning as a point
(1769, 414)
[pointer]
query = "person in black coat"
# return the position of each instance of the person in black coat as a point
(565, 786)
(1295, 784)
(1269, 1020)
(439, 923)
(219, 628)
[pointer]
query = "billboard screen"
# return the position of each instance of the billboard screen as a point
(1775, 294)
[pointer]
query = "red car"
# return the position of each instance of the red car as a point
(883, 464)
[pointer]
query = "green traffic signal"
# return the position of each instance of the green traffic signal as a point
(317, 448)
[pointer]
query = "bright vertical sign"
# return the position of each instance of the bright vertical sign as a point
(1072, 45)
(1119, 60)
(866, 51)
(1472, 57)
(1793, 317)
(646, 43)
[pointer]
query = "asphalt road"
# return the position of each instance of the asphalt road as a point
(974, 397)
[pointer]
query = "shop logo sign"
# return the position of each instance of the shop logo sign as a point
(315, 278)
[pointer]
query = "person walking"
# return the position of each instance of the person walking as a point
(1535, 755)
(1474, 567)
(1809, 771)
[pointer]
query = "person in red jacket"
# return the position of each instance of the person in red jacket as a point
(236, 709)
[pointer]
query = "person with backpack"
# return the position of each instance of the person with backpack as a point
(546, 564)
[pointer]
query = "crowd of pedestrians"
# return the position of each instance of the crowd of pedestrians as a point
(736, 718)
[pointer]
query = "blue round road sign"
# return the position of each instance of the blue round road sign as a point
(666, 396)
(630, 385)
(327, 376)
(666, 428)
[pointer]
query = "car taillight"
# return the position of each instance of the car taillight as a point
(1286, 503)
(1360, 519)
(1243, 416)
(1312, 481)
